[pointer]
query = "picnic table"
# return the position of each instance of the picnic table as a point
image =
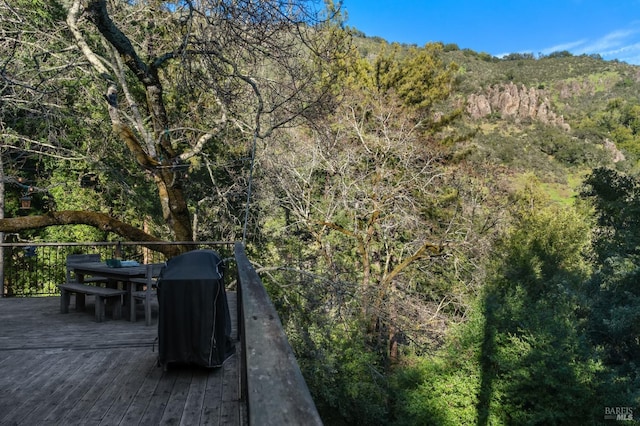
(121, 281)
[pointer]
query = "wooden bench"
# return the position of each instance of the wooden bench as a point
(102, 295)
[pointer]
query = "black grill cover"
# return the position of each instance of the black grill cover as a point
(194, 325)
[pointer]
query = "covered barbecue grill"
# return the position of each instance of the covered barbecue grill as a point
(194, 325)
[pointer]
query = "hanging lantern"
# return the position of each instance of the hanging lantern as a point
(25, 202)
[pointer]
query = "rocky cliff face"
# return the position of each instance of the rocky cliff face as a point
(518, 102)
(616, 154)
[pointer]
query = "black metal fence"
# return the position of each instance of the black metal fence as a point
(36, 269)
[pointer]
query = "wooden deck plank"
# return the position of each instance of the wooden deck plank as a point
(178, 397)
(126, 388)
(92, 389)
(213, 398)
(138, 406)
(16, 373)
(109, 392)
(158, 401)
(195, 398)
(16, 384)
(69, 402)
(230, 400)
(48, 380)
(58, 398)
(68, 369)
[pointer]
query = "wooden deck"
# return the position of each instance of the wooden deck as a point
(67, 369)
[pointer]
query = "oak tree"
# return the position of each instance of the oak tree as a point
(180, 76)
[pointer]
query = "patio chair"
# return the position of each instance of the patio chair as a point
(148, 294)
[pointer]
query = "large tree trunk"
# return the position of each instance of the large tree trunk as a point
(156, 153)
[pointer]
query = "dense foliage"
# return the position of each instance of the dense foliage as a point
(432, 261)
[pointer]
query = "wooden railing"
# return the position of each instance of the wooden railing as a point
(272, 384)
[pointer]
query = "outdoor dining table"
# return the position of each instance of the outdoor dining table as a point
(121, 274)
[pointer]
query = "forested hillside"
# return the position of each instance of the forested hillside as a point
(449, 238)
(458, 216)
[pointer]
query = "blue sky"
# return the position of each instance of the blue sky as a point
(610, 28)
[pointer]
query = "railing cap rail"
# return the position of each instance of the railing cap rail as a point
(277, 393)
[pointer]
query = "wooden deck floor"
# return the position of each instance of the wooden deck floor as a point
(67, 369)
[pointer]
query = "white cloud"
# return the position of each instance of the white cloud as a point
(629, 54)
(609, 41)
(624, 50)
(621, 44)
(562, 47)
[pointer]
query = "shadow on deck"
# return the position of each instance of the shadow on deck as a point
(68, 369)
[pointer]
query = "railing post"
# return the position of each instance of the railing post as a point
(3, 293)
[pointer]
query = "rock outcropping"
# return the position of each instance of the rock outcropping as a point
(510, 100)
(616, 154)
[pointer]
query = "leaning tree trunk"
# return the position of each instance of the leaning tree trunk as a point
(98, 220)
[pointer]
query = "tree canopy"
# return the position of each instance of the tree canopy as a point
(176, 80)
